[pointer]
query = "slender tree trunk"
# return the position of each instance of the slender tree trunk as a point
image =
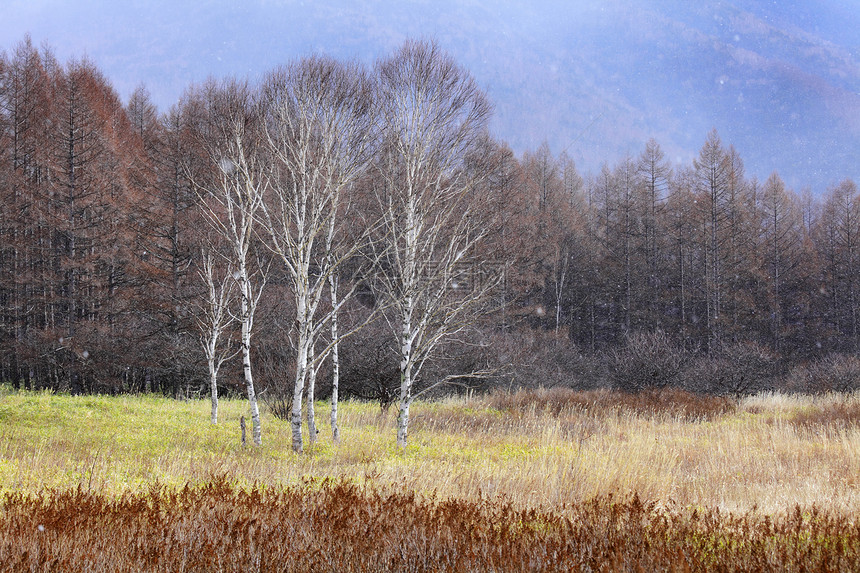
(405, 380)
(252, 399)
(301, 372)
(298, 389)
(213, 386)
(852, 298)
(714, 326)
(562, 261)
(628, 282)
(403, 420)
(246, 358)
(407, 310)
(311, 413)
(212, 321)
(405, 403)
(335, 361)
(683, 297)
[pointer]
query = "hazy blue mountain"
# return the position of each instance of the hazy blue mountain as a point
(778, 80)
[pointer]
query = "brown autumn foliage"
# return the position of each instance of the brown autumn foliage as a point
(101, 235)
(341, 526)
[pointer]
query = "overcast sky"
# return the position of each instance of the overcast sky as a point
(780, 80)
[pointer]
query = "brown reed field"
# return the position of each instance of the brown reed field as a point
(537, 480)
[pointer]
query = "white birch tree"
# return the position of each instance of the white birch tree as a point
(213, 319)
(433, 115)
(320, 130)
(232, 203)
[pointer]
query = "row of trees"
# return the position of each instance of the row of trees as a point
(700, 250)
(243, 237)
(130, 233)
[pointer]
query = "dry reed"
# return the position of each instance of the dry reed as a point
(341, 526)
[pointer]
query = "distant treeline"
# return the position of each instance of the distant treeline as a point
(102, 230)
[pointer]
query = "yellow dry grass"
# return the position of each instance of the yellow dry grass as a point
(540, 449)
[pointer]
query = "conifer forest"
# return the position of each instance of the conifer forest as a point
(366, 213)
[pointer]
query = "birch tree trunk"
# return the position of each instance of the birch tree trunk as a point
(247, 324)
(231, 204)
(335, 359)
(311, 413)
(213, 392)
(434, 116)
(213, 318)
(405, 384)
(320, 132)
(298, 389)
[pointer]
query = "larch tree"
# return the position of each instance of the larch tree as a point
(588, 275)
(782, 240)
(681, 206)
(167, 219)
(740, 258)
(628, 233)
(91, 192)
(433, 114)
(320, 129)
(839, 240)
(157, 319)
(712, 178)
(25, 103)
(551, 248)
(617, 215)
(653, 172)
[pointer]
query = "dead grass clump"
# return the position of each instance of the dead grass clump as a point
(678, 403)
(338, 526)
(542, 400)
(455, 419)
(671, 402)
(832, 415)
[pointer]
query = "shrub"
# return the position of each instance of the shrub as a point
(647, 361)
(540, 360)
(835, 373)
(275, 389)
(739, 368)
(369, 366)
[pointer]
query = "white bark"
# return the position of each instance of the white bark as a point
(311, 413)
(247, 320)
(335, 358)
(319, 132)
(434, 115)
(213, 392)
(403, 415)
(213, 319)
(406, 365)
(231, 205)
(301, 374)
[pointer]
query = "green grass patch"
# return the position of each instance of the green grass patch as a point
(522, 448)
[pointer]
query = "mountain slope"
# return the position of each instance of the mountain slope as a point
(780, 81)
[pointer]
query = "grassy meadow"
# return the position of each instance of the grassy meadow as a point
(554, 478)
